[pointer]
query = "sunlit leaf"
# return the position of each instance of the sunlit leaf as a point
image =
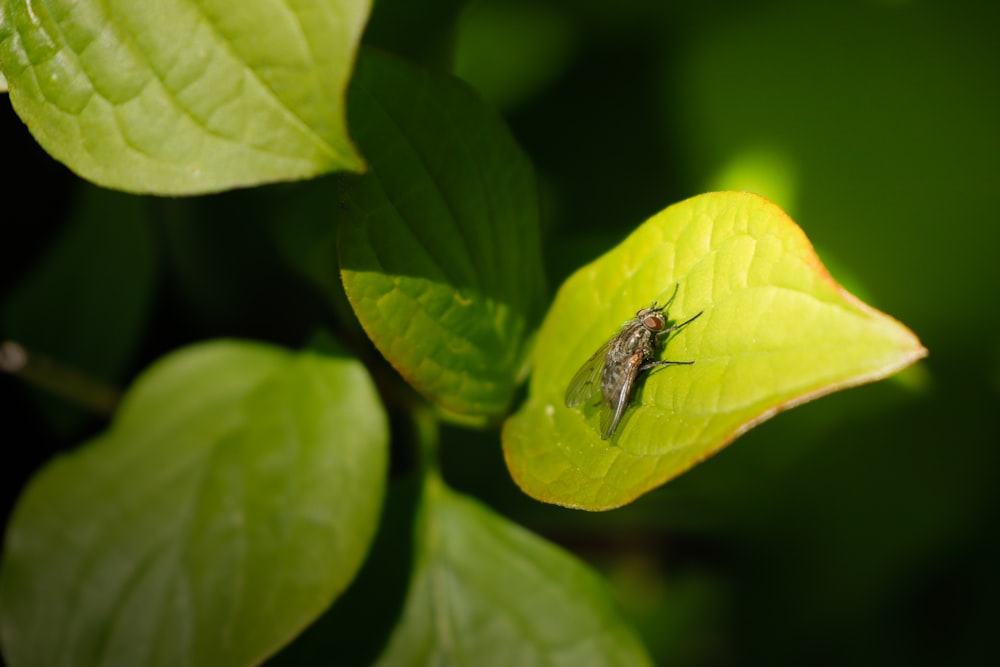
(776, 331)
(185, 97)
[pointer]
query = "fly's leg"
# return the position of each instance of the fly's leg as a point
(674, 329)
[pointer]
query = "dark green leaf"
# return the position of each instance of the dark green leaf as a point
(421, 32)
(440, 246)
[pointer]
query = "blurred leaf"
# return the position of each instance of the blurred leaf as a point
(86, 302)
(487, 592)
(439, 248)
(356, 628)
(510, 50)
(776, 331)
(421, 31)
(231, 501)
(185, 97)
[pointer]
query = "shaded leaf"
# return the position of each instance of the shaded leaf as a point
(776, 331)
(439, 247)
(231, 501)
(185, 97)
(487, 592)
(421, 32)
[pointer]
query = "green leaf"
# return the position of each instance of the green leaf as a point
(439, 249)
(233, 498)
(185, 97)
(420, 32)
(96, 281)
(776, 331)
(354, 631)
(487, 592)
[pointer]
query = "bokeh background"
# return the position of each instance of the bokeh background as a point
(859, 529)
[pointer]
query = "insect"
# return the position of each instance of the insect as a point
(616, 366)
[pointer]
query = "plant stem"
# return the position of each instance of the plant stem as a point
(57, 378)
(427, 430)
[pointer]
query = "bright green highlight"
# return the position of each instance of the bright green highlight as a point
(233, 498)
(439, 248)
(487, 592)
(776, 331)
(185, 97)
(764, 170)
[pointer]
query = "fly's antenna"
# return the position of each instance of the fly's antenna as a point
(677, 286)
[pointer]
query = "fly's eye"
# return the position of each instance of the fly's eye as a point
(653, 323)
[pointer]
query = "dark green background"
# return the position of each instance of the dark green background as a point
(855, 530)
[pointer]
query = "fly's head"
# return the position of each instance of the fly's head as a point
(652, 318)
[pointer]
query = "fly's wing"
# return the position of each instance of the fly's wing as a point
(612, 412)
(587, 380)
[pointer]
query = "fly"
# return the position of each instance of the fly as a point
(616, 366)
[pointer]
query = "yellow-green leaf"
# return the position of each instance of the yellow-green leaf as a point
(777, 331)
(185, 97)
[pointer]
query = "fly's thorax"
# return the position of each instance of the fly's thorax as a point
(633, 339)
(643, 340)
